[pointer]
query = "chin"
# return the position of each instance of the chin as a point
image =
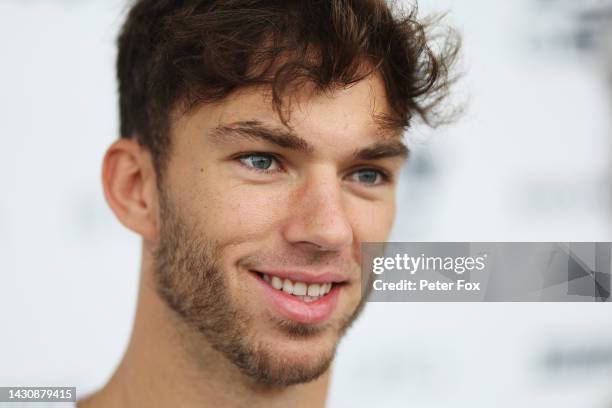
(289, 362)
(286, 353)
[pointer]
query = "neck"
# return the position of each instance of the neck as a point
(162, 367)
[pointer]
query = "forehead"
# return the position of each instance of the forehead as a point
(338, 117)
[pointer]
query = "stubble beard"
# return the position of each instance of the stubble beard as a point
(189, 279)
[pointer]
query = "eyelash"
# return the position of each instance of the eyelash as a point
(384, 175)
(265, 171)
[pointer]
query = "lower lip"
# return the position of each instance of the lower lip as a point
(296, 309)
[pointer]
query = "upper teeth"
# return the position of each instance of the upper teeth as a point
(301, 289)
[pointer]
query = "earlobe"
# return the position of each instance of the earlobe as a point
(128, 178)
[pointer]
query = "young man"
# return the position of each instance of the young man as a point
(261, 145)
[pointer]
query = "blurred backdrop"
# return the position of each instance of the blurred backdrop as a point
(530, 160)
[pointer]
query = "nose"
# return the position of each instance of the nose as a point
(319, 218)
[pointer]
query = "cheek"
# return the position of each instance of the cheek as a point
(242, 213)
(372, 221)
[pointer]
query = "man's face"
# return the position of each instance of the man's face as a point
(261, 224)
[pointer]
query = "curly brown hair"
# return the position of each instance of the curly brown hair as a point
(181, 53)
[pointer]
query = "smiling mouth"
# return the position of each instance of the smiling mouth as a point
(307, 292)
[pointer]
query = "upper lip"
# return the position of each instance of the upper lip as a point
(306, 277)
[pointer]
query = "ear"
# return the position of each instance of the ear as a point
(128, 176)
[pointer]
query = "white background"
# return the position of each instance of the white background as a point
(529, 161)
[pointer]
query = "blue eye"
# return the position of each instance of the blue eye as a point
(258, 161)
(369, 177)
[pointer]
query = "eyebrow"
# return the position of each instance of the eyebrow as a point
(258, 131)
(383, 150)
(285, 138)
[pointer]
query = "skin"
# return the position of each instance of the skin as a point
(312, 203)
